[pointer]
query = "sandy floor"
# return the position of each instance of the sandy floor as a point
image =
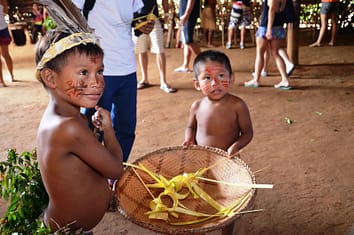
(310, 162)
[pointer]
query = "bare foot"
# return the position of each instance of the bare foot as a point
(2, 84)
(282, 84)
(315, 44)
(331, 44)
(211, 46)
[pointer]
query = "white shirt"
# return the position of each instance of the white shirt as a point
(111, 20)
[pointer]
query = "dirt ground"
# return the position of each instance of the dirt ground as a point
(310, 162)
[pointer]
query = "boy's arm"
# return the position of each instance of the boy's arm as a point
(246, 129)
(191, 128)
(102, 121)
(80, 141)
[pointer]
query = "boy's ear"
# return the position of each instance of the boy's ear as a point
(197, 85)
(47, 76)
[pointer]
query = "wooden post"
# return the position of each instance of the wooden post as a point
(171, 25)
(292, 36)
(292, 44)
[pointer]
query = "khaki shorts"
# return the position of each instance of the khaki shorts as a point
(152, 41)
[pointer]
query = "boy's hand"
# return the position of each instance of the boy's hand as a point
(101, 119)
(188, 143)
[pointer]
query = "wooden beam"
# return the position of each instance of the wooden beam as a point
(292, 36)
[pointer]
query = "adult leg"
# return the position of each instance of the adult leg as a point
(189, 45)
(121, 95)
(262, 45)
(157, 47)
(8, 60)
(264, 72)
(206, 35)
(161, 65)
(242, 37)
(288, 64)
(124, 110)
(274, 46)
(324, 18)
(230, 33)
(194, 48)
(2, 83)
(334, 21)
(143, 63)
(187, 53)
(141, 48)
(178, 37)
(266, 62)
(210, 38)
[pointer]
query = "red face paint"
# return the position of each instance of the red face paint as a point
(217, 74)
(75, 87)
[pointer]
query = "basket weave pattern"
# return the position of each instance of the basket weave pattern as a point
(134, 198)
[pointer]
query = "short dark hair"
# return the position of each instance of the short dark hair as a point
(211, 55)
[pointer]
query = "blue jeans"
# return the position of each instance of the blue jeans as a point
(120, 98)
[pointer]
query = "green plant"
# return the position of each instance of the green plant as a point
(22, 186)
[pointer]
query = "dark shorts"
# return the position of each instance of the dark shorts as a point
(187, 31)
(328, 8)
(5, 37)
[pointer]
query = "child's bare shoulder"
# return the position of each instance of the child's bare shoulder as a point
(65, 128)
(236, 101)
(196, 104)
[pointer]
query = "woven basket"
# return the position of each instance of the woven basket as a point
(134, 199)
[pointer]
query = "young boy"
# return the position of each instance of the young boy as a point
(220, 119)
(74, 165)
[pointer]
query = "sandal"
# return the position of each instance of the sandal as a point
(168, 89)
(142, 85)
(251, 84)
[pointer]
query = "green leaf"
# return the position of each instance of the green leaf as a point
(288, 121)
(22, 185)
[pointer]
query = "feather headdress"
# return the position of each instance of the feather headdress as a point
(68, 19)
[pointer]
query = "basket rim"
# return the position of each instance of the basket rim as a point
(184, 230)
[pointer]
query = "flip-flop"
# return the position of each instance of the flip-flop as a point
(142, 85)
(251, 85)
(182, 70)
(285, 88)
(168, 89)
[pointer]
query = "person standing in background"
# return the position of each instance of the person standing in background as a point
(290, 19)
(111, 21)
(329, 9)
(209, 21)
(270, 34)
(5, 40)
(188, 15)
(241, 15)
(143, 41)
(37, 26)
